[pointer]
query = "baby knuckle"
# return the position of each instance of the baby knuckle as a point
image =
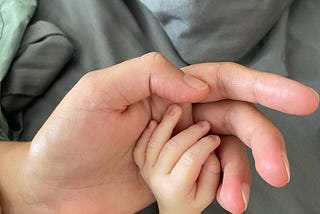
(153, 144)
(171, 147)
(190, 158)
(213, 167)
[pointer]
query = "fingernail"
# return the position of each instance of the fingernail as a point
(194, 82)
(286, 164)
(216, 138)
(315, 93)
(152, 123)
(245, 191)
(172, 110)
(202, 123)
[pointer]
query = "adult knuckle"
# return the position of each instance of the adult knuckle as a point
(227, 117)
(152, 60)
(232, 110)
(222, 67)
(230, 64)
(220, 72)
(84, 87)
(90, 89)
(223, 70)
(88, 80)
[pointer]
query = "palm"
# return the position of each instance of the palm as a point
(87, 158)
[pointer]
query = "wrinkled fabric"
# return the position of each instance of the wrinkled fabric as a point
(283, 39)
(43, 53)
(215, 30)
(14, 17)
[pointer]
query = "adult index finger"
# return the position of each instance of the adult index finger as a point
(233, 81)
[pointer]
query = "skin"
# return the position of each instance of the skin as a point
(81, 160)
(183, 172)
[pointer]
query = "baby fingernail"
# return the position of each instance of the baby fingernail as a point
(172, 110)
(202, 123)
(245, 194)
(286, 164)
(216, 138)
(152, 123)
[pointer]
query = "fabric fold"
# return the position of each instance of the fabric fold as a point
(14, 18)
(215, 30)
(44, 51)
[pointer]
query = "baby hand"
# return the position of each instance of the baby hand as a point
(183, 172)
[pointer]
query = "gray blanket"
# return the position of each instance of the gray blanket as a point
(270, 35)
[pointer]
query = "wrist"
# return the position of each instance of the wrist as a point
(15, 196)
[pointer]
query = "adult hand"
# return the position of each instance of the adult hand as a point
(81, 160)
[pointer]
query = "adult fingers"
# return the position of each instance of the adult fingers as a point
(233, 193)
(233, 81)
(176, 146)
(119, 86)
(186, 171)
(243, 120)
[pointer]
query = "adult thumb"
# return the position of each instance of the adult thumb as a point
(134, 80)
